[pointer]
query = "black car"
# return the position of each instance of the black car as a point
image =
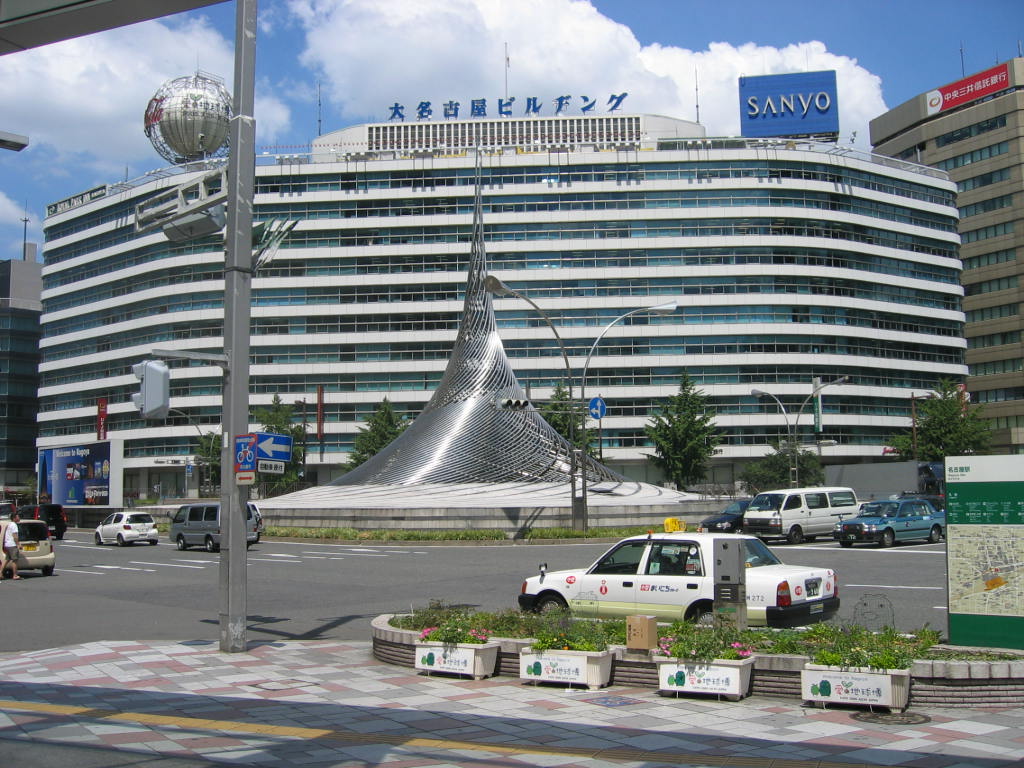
(729, 520)
(54, 515)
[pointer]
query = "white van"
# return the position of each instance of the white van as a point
(798, 514)
(195, 525)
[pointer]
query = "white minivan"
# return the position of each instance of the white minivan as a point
(798, 514)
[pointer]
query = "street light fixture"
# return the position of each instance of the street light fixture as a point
(793, 430)
(580, 522)
(495, 286)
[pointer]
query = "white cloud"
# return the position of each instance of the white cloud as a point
(371, 53)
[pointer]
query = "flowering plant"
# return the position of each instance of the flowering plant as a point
(456, 628)
(560, 632)
(690, 643)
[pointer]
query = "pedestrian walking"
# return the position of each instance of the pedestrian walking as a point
(11, 546)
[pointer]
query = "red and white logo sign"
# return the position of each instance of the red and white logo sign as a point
(570, 579)
(798, 591)
(603, 589)
(969, 89)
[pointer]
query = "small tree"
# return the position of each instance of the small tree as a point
(947, 425)
(684, 435)
(773, 471)
(208, 457)
(566, 417)
(279, 419)
(383, 426)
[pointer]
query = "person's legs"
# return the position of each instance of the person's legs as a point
(12, 561)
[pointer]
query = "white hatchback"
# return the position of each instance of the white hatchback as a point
(125, 528)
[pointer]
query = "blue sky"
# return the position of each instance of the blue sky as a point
(81, 102)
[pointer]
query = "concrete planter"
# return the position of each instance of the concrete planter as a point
(856, 685)
(590, 668)
(476, 659)
(725, 677)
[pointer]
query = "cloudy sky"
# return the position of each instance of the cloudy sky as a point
(81, 101)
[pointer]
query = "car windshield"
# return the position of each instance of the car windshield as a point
(766, 502)
(736, 508)
(140, 517)
(758, 554)
(879, 509)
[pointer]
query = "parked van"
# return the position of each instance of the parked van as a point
(798, 514)
(195, 525)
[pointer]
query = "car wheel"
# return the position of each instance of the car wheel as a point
(702, 615)
(548, 603)
(845, 544)
(210, 546)
(935, 535)
(99, 539)
(888, 538)
(180, 543)
(120, 540)
(47, 570)
(152, 542)
(795, 535)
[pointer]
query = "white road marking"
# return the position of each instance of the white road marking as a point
(72, 570)
(205, 562)
(166, 565)
(124, 568)
(889, 586)
(267, 560)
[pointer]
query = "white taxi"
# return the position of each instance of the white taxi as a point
(669, 576)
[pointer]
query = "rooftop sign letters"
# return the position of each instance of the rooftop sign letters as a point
(532, 107)
(798, 104)
(976, 86)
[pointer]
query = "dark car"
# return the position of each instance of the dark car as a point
(53, 514)
(729, 520)
(7, 509)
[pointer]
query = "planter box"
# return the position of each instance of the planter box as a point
(856, 685)
(476, 659)
(590, 668)
(724, 677)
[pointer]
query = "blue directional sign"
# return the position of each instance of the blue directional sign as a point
(272, 446)
(245, 453)
(597, 408)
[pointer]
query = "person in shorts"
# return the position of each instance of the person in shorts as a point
(11, 546)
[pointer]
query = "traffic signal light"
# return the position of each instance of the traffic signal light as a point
(154, 396)
(513, 403)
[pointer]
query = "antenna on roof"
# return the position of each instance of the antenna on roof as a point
(696, 92)
(319, 111)
(507, 64)
(963, 72)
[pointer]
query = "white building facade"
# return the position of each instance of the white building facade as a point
(790, 260)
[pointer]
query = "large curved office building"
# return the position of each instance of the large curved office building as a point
(792, 261)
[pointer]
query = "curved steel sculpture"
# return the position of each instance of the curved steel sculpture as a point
(463, 434)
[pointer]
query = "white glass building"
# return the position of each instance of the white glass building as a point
(790, 260)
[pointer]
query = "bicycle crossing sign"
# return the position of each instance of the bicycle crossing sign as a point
(245, 453)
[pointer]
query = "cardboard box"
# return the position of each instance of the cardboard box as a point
(641, 633)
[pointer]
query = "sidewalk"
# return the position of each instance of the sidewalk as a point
(331, 704)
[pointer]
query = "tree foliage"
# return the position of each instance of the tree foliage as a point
(208, 459)
(684, 435)
(566, 416)
(383, 426)
(947, 425)
(773, 471)
(279, 419)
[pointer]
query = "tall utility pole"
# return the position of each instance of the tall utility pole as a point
(238, 266)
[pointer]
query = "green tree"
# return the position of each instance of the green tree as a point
(947, 425)
(383, 426)
(279, 419)
(773, 471)
(566, 417)
(208, 459)
(684, 435)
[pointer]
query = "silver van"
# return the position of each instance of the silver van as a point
(196, 525)
(798, 514)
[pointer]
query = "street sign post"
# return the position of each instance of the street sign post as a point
(597, 407)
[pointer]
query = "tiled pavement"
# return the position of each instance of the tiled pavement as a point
(330, 704)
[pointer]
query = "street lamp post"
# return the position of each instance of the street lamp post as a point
(302, 404)
(659, 309)
(495, 286)
(816, 387)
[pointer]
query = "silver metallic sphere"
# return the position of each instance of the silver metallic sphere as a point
(188, 118)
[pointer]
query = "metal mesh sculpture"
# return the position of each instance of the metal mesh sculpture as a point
(463, 435)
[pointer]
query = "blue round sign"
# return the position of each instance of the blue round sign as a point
(597, 408)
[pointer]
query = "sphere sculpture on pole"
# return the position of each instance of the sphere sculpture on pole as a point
(188, 117)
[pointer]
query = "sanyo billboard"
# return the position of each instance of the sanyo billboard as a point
(798, 104)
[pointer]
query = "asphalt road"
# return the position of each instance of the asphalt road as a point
(303, 590)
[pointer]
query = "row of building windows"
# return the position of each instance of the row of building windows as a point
(987, 206)
(975, 156)
(993, 340)
(969, 131)
(987, 233)
(405, 263)
(996, 366)
(990, 286)
(992, 177)
(997, 395)
(988, 259)
(992, 313)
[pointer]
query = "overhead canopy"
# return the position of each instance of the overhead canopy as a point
(30, 23)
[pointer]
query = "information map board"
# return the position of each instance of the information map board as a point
(985, 550)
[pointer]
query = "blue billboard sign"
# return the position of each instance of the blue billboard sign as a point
(76, 475)
(797, 104)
